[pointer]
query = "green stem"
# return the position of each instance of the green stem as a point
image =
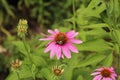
(18, 75)
(29, 56)
(74, 25)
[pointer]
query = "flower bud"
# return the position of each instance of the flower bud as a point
(16, 64)
(22, 27)
(57, 70)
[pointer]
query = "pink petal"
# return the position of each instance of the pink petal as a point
(112, 69)
(113, 77)
(114, 74)
(51, 32)
(71, 34)
(50, 47)
(56, 30)
(66, 51)
(58, 51)
(99, 69)
(72, 47)
(106, 79)
(49, 38)
(75, 41)
(52, 53)
(62, 56)
(97, 77)
(95, 73)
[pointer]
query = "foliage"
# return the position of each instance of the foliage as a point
(99, 47)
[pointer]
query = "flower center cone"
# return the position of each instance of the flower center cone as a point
(61, 38)
(106, 73)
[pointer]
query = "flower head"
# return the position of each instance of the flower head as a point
(104, 73)
(16, 64)
(61, 43)
(57, 70)
(22, 27)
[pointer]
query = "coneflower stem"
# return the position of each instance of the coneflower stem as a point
(18, 75)
(74, 25)
(29, 56)
(28, 53)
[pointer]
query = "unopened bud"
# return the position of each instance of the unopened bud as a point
(22, 27)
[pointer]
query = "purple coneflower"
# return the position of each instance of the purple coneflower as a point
(104, 73)
(61, 43)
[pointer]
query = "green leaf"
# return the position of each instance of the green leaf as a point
(110, 7)
(93, 10)
(67, 75)
(95, 33)
(39, 61)
(99, 25)
(93, 3)
(108, 60)
(94, 45)
(82, 72)
(46, 73)
(68, 71)
(116, 8)
(33, 70)
(80, 78)
(91, 60)
(116, 46)
(64, 29)
(25, 71)
(96, 12)
(12, 76)
(20, 46)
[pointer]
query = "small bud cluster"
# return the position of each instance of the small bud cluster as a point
(22, 27)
